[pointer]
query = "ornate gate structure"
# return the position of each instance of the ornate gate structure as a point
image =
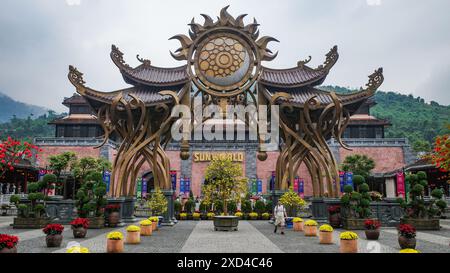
(223, 66)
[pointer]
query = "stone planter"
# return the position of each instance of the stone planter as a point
(79, 232)
(422, 224)
(372, 234)
(133, 237)
(30, 223)
(114, 246)
(113, 219)
(54, 240)
(146, 230)
(334, 220)
(310, 231)
(298, 226)
(226, 223)
(325, 237)
(8, 250)
(406, 242)
(96, 222)
(353, 223)
(348, 246)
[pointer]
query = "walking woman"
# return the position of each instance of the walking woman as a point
(280, 215)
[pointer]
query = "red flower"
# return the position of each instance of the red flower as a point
(372, 224)
(53, 229)
(334, 209)
(80, 222)
(8, 241)
(407, 230)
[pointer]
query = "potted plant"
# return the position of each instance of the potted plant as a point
(8, 243)
(334, 216)
(113, 212)
(196, 216)
(310, 228)
(407, 236)
(420, 213)
(54, 235)
(79, 227)
(253, 215)
(292, 202)
(265, 216)
(114, 243)
(158, 204)
(239, 214)
(133, 235)
(409, 250)
(298, 224)
(210, 215)
(326, 234)
(183, 216)
(372, 229)
(356, 204)
(146, 227)
(224, 184)
(155, 221)
(348, 242)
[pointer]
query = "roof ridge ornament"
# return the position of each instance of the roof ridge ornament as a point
(304, 62)
(117, 57)
(145, 62)
(331, 58)
(375, 80)
(75, 77)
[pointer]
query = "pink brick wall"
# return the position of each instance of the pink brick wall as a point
(80, 151)
(386, 158)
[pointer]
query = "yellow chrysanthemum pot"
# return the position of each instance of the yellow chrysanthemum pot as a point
(133, 235)
(146, 227)
(348, 242)
(114, 242)
(326, 234)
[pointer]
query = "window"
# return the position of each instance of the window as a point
(76, 131)
(378, 132)
(80, 109)
(60, 131)
(92, 131)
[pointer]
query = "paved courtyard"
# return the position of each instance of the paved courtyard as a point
(253, 236)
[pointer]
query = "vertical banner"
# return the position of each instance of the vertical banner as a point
(272, 181)
(349, 179)
(341, 180)
(144, 188)
(296, 184)
(187, 185)
(254, 186)
(181, 185)
(401, 184)
(259, 182)
(301, 188)
(107, 180)
(139, 187)
(41, 174)
(173, 178)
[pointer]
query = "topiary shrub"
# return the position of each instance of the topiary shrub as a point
(269, 206)
(357, 203)
(260, 207)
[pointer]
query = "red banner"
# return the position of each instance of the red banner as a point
(401, 184)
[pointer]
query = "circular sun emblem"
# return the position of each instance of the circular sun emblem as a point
(223, 62)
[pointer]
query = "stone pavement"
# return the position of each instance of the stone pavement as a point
(252, 237)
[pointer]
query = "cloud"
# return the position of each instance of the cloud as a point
(41, 38)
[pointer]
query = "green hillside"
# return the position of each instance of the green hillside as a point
(10, 108)
(411, 117)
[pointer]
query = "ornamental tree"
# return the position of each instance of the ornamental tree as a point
(358, 165)
(291, 201)
(441, 153)
(157, 203)
(13, 151)
(225, 182)
(357, 203)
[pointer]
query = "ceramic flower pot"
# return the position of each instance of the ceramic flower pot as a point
(155, 226)
(133, 237)
(310, 230)
(114, 246)
(54, 240)
(146, 230)
(113, 219)
(325, 237)
(348, 246)
(79, 232)
(8, 250)
(406, 242)
(298, 226)
(335, 220)
(372, 234)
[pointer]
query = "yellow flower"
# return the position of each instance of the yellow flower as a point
(348, 235)
(115, 235)
(409, 250)
(265, 214)
(297, 220)
(77, 249)
(326, 228)
(238, 214)
(311, 223)
(196, 215)
(154, 219)
(145, 222)
(210, 214)
(253, 214)
(183, 214)
(133, 228)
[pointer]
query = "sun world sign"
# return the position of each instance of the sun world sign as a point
(208, 156)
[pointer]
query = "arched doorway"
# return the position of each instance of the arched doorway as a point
(148, 183)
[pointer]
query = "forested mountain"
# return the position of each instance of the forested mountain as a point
(10, 108)
(411, 117)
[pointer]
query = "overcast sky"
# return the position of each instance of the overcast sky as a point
(39, 38)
